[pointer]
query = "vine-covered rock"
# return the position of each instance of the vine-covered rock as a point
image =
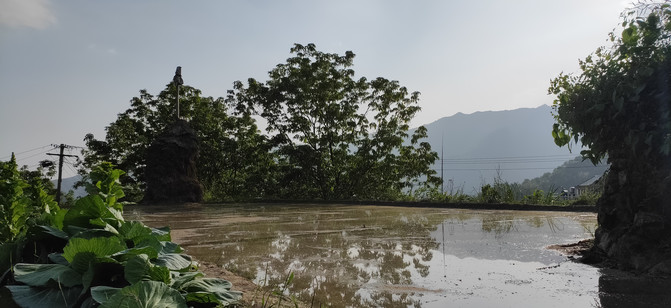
(171, 166)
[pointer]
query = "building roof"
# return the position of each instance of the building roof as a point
(591, 181)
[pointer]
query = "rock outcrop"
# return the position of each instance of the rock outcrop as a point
(634, 216)
(171, 166)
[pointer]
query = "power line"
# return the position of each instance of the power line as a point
(516, 157)
(31, 156)
(26, 151)
(521, 168)
(521, 159)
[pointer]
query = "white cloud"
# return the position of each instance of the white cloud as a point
(26, 13)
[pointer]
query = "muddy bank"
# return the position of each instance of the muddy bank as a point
(409, 204)
(620, 289)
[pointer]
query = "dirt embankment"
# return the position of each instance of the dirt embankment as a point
(573, 250)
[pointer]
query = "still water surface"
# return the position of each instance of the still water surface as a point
(361, 256)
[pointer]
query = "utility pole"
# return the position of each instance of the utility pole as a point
(442, 178)
(60, 170)
(177, 80)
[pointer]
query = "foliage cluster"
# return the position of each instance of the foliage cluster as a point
(330, 136)
(23, 204)
(620, 105)
(502, 192)
(338, 137)
(233, 157)
(90, 256)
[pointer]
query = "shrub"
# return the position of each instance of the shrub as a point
(97, 258)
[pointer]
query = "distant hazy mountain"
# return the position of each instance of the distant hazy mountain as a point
(513, 144)
(570, 174)
(68, 184)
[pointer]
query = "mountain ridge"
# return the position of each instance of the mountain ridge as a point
(512, 145)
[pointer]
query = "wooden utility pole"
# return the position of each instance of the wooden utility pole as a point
(60, 170)
(177, 80)
(442, 161)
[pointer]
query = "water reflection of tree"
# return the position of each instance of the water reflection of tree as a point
(502, 224)
(333, 255)
(498, 224)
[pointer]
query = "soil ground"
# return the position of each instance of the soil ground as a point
(574, 249)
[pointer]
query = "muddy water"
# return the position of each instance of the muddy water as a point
(392, 256)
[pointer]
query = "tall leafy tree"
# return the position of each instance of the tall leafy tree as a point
(233, 157)
(619, 106)
(338, 137)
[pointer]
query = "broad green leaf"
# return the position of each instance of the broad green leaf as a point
(82, 261)
(126, 254)
(146, 294)
(55, 232)
(87, 233)
(162, 234)
(38, 275)
(27, 296)
(180, 278)
(57, 258)
(207, 284)
(89, 275)
(117, 214)
(135, 231)
(153, 243)
(105, 225)
(86, 209)
(174, 261)
(139, 268)
(203, 298)
(102, 294)
(9, 253)
(100, 246)
(170, 247)
(220, 288)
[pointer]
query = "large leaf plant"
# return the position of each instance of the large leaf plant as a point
(105, 261)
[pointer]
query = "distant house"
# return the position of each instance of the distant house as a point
(590, 186)
(593, 185)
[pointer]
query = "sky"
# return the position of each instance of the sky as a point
(68, 67)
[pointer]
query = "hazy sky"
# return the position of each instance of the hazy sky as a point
(68, 67)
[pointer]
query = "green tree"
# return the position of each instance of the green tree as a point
(233, 156)
(620, 107)
(338, 137)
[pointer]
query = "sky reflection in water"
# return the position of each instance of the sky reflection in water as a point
(395, 257)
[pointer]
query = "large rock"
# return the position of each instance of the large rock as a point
(171, 166)
(634, 216)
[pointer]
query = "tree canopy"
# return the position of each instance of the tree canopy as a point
(233, 154)
(329, 135)
(338, 137)
(620, 105)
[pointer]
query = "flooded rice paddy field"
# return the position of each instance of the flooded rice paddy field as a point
(362, 256)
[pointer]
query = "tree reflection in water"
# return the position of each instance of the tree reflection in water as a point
(355, 255)
(337, 252)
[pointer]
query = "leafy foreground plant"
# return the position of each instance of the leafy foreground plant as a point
(106, 261)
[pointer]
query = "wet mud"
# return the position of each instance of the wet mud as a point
(389, 256)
